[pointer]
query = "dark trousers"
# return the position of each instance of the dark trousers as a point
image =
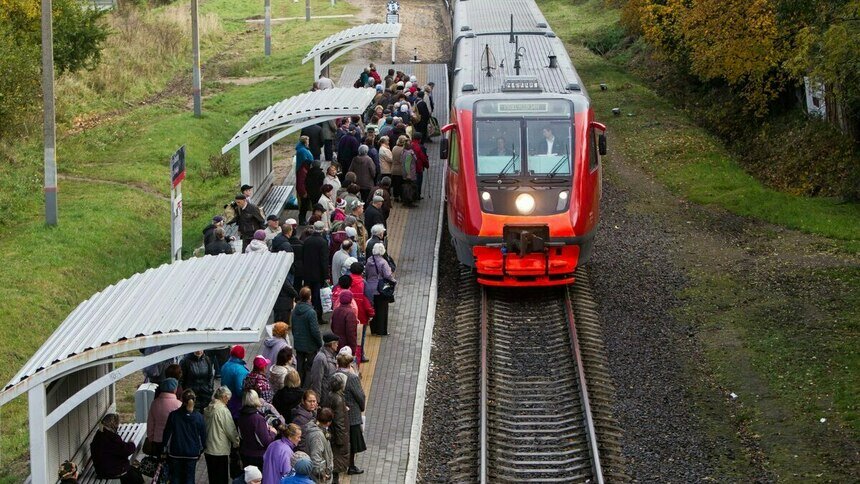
(316, 300)
(327, 149)
(419, 180)
(304, 360)
(133, 476)
(248, 460)
(218, 468)
(182, 470)
(304, 206)
(379, 323)
(246, 243)
(365, 195)
(218, 356)
(396, 185)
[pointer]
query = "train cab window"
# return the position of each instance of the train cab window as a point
(498, 147)
(593, 157)
(549, 147)
(453, 151)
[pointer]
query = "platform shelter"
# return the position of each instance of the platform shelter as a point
(172, 310)
(336, 45)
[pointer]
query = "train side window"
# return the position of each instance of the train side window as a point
(593, 157)
(453, 151)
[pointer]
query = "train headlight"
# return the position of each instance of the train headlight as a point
(562, 200)
(487, 202)
(485, 196)
(525, 203)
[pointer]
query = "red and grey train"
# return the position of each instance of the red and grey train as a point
(523, 178)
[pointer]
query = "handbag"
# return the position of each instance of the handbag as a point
(385, 287)
(149, 466)
(433, 127)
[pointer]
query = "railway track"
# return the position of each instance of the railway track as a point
(533, 392)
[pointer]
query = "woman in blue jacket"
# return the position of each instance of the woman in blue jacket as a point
(184, 440)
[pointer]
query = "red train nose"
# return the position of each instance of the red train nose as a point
(554, 266)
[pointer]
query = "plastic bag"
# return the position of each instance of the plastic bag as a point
(325, 296)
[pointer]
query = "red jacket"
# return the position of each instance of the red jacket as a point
(365, 309)
(421, 157)
(301, 175)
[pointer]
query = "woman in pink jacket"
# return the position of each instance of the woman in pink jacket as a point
(159, 410)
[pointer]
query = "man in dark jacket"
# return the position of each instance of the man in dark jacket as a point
(424, 112)
(110, 453)
(209, 231)
(347, 149)
(384, 191)
(284, 303)
(315, 264)
(314, 133)
(296, 275)
(373, 214)
(198, 374)
(281, 242)
(220, 244)
(248, 218)
(306, 332)
(185, 438)
(314, 183)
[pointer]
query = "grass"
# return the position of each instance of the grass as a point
(671, 146)
(109, 230)
(781, 335)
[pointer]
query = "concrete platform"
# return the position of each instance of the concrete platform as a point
(395, 378)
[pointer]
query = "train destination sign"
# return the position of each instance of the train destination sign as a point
(522, 107)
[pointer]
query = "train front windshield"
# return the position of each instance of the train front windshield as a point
(531, 139)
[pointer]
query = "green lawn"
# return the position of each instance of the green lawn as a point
(782, 335)
(109, 231)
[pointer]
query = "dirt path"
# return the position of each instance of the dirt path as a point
(425, 27)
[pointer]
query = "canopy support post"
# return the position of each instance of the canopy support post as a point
(37, 408)
(244, 163)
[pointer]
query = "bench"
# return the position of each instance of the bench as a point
(131, 432)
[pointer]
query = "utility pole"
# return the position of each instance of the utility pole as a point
(307, 10)
(268, 28)
(195, 46)
(50, 118)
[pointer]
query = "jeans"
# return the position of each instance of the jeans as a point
(182, 470)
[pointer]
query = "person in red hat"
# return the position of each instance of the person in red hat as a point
(258, 379)
(233, 375)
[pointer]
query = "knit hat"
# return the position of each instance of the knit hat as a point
(350, 232)
(349, 262)
(379, 87)
(319, 226)
(378, 199)
(261, 362)
(297, 456)
(291, 221)
(330, 337)
(215, 220)
(238, 351)
(260, 235)
(279, 329)
(68, 470)
(341, 203)
(168, 385)
(253, 474)
(346, 350)
(345, 296)
(304, 467)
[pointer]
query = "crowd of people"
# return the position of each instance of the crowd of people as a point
(295, 416)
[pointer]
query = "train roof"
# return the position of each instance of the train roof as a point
(482, 25)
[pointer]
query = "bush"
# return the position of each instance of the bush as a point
(606, 39)
(221, 165)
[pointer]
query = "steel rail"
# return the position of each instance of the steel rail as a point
(583, 389)
(483, 405)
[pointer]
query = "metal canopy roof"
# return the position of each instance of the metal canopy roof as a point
(368, 32)
(290, 112)
(223, 299)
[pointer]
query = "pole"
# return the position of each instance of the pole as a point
(50, 129)
(307, 10)
(268, 27)
(195, 47)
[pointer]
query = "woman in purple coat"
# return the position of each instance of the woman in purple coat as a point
(377, 269)
(254, 433)
(276, 461)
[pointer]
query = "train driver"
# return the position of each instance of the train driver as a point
(501, 149)
(550, 145)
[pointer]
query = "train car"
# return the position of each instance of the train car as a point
(523, 177)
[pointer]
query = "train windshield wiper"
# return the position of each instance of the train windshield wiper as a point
(564, 159)
(509, 165)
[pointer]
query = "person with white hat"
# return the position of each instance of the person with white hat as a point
(252, 475)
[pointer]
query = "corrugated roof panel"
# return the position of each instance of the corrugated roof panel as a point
(341, 101)
(361, 32)
(220, 293)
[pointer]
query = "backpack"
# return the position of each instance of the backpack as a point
(358, 83)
